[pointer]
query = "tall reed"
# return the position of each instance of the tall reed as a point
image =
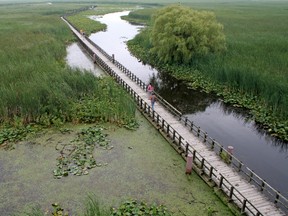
(35, 81)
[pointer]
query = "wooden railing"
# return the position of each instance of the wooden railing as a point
(186, 148)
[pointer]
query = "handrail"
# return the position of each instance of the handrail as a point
(206, 167)
(175, 136)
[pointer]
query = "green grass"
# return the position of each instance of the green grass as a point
(253, 72)
(36, 85)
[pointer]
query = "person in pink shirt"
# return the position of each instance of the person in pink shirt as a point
(150, 89)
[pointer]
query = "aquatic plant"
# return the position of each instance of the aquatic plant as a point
(253, 71)
(134, 207)
(77, 157)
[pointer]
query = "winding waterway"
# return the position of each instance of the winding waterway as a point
(262, 153)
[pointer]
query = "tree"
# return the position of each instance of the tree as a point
(180, 34)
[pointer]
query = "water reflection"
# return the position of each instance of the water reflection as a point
(114, 39)
(228, 125)
(78, 58)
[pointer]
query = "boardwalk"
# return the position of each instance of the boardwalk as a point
(246, 196)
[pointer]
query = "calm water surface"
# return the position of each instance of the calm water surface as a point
(78, 58)
(227, 125)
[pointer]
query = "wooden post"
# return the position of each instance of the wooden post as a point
(189, 163)
(250, 176)
(213, 144)
(239, 166)
(277, 197)
(211, 173)
(202, 166)
(243, 206)
(94, 58)
(231, 194)
(205, 137)
(113, 59)
(191, 126)
(221, 181)
(180, 140)
(186, 149)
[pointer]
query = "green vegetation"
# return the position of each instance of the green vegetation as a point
(37, 87)
(93, 208)
(142, 16)
(181, 35)
(82, 21)
(141, 166)
(252, 73)
(134, 207)
(77, 157)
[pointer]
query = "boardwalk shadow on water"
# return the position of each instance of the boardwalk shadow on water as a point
(142, 165)
(230, 126)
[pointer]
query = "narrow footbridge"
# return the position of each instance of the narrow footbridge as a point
(217, 166)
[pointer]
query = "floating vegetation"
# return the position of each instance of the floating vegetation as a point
(132, 124)
(134, 207)
(9, 135)
(77, 157)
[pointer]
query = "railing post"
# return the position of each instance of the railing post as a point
(186, 149)
(211, 173)
(202, 166)
(168, 128)
(213, 144)
(221, 182)
(277, 197)
(262, 185)
(113, 59)
(240, 166)
(191, 126)
(243, 206)
(157, 119)
(180, 140)
(231, 193)
(221, 150)
(250, 176)
(186, 119)
(198, 132)
(205, 137)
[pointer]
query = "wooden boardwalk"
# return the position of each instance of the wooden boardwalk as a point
(246, 196)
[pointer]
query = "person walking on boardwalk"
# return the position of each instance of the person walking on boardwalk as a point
(153, 100)
(150, 89)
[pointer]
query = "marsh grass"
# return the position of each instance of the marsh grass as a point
(257, 53)
(35, 83)
(252, 73)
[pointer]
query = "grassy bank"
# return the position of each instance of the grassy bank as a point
(36, 86)
(253, 71)
(146, 169)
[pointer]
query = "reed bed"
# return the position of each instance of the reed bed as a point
(252, 73)
(35, 83)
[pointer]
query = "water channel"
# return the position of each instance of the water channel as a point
(228, 125)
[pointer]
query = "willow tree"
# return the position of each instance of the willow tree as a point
(180, 34)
